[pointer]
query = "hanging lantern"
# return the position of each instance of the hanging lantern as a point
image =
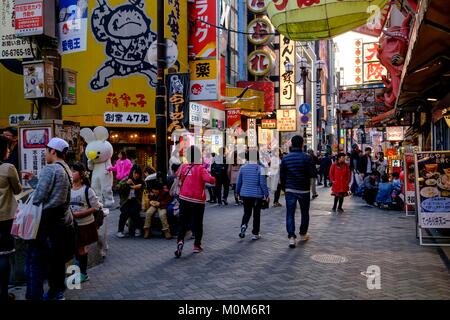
(323, 19)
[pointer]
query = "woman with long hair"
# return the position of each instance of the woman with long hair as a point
(123, 166)
(340, 177)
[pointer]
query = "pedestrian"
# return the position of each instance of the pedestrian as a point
(219, 170)
(131, 207)
(159, 200)
(122, 167)
(315, 160)
(193, 177)
(296, 171)
(384, 194)
(55, 243)
(9, 186)
(149, 175)
(276, 199)
(365, 163)
(325, 165)
(252, 188)
(381, 164)
(210, 187)
(233, 173)
(340, 177)
(371, 188)
(83, 203)
(10, 134)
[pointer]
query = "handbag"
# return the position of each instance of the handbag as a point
(145, 200)
(99, 215)
(265, 204)
(177, 184)
(27, 219)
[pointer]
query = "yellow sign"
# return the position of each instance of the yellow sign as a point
(287, 120)
(203, 69)
(117, 73)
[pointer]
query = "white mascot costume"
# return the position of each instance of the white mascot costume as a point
(99, 153)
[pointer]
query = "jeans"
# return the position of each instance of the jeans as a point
(130, 209)
(291, 206)
(314, 186)
(277, 194)
(5, 271)
(252, 205)
(188, 211)
(324, 178)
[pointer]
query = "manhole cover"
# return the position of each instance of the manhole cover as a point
(329, 258)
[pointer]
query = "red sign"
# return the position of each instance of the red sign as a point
(29, 19)
(264, 86)
(233, 118)
(268, 123)
(203, 33)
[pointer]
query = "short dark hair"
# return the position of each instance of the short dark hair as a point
(124, 154)
(368, 149)
(395, 175)
(175, 167)
(12, 130)
(156, 186)
(341, 154)
(3, 147)
(149, 170)
(384, 178)
(297, 141)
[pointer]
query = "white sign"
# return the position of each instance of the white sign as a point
(286, 120)
(72, 25)
(127, 118)
(29, 19)
(287, 79)
(251, 133)
(33, 142)
(203, 90)
(394, 133)
(204, 116)
(14, 119)
(11, 47)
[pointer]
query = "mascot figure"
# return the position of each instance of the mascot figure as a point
(99, 153)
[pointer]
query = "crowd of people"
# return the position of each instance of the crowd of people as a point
(70, 206)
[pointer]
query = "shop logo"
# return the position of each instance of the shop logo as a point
(127, 35)
(196, 89)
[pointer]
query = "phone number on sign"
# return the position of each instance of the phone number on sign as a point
(16, 53)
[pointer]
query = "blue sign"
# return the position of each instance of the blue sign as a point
(72, 25)
(304, 108)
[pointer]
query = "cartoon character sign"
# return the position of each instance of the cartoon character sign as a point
(126, 30)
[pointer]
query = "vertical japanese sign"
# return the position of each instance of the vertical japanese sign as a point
(11, 47)
(432, 173)
(33, 142)
(177, 101)
(252, 141)
(259, 62)
(373, 69)
(72, 25)
(410, 196)
(203, 35)
(287, 79)
(358, 74)
(233, 118)
(204, 84)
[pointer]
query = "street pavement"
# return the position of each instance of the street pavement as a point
(333, 264)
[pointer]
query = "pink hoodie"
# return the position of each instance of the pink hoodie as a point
(122, 167)
(193, 184)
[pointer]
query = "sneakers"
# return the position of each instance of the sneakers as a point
(237, 204)
(333, 210)
(179, 249)
(225, 202)
(84, 278)
(277, 204)
(138, 233)
(315, 196)
(197, 249)
(304, 237)
(167, 234)
(120, 234)
(340, 210)
(256, 237)
(147, 233)
(242, 234)
(291, 242)
(58, 296)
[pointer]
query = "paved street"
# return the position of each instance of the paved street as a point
(231, 268)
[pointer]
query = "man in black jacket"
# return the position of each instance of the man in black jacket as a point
(365, 163)
(219, 170)
(296, 171)
(325, 165)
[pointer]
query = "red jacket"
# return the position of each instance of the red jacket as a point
(193, 183)
(340, 177)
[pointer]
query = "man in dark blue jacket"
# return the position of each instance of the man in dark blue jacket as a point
(296, 171)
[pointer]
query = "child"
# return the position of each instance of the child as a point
(340, 178)
(83, 208)
(131, 207)
(159, 200)
(384, 195)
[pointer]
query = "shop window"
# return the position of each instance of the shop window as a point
(442, 135)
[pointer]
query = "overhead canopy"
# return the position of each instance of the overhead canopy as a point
(426, 73)
(320, 19)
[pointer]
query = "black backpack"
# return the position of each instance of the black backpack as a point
(98, 214)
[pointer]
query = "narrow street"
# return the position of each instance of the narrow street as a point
(231, 268)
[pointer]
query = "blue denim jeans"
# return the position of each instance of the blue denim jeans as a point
(291, 205)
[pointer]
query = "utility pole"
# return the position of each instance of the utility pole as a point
(160, 101)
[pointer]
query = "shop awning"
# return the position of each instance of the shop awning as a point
(426, 72)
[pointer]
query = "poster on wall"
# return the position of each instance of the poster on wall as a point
(33, 142)
(432, 172)
(410, 195)
(177, 101)
(72, 25)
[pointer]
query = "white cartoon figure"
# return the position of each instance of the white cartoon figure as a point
(127, 34)
(99, 153)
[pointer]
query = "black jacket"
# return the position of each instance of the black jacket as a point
(325, 165)
(296, 170)
(362, 164)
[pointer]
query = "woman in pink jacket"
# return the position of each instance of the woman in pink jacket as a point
(192, 179)
(123, 166)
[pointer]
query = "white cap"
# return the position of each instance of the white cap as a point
(58, 144)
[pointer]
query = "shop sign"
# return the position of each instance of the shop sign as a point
(233, 118)
(358, 74)
(268, 123)
(432, 172)
(265, 86)
(252, 141)
(14, 119)
(259, 31)
(394, 133)
(204, 84)
(195, 114)
(29, 18)
(177, 101)
(127, 118)
(259, 63)
(287, 79)
(11, 47)
(257, 6)
(33, 142)
(206, 117)
(203, 36)
(373, 69)
(410, 179)
(72, 26)
(287, 120)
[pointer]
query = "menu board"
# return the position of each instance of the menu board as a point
(432, 171)
(410, 179)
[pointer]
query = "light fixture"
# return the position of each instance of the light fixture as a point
(432, 99)
(289, 67)
(303, 63)
(153, 136)
(320, 64)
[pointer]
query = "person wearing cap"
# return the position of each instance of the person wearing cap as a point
(55, 241)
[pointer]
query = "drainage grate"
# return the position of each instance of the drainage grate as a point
(329, 258)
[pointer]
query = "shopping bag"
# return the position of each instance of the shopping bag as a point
(27, 220)
(17, 223)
